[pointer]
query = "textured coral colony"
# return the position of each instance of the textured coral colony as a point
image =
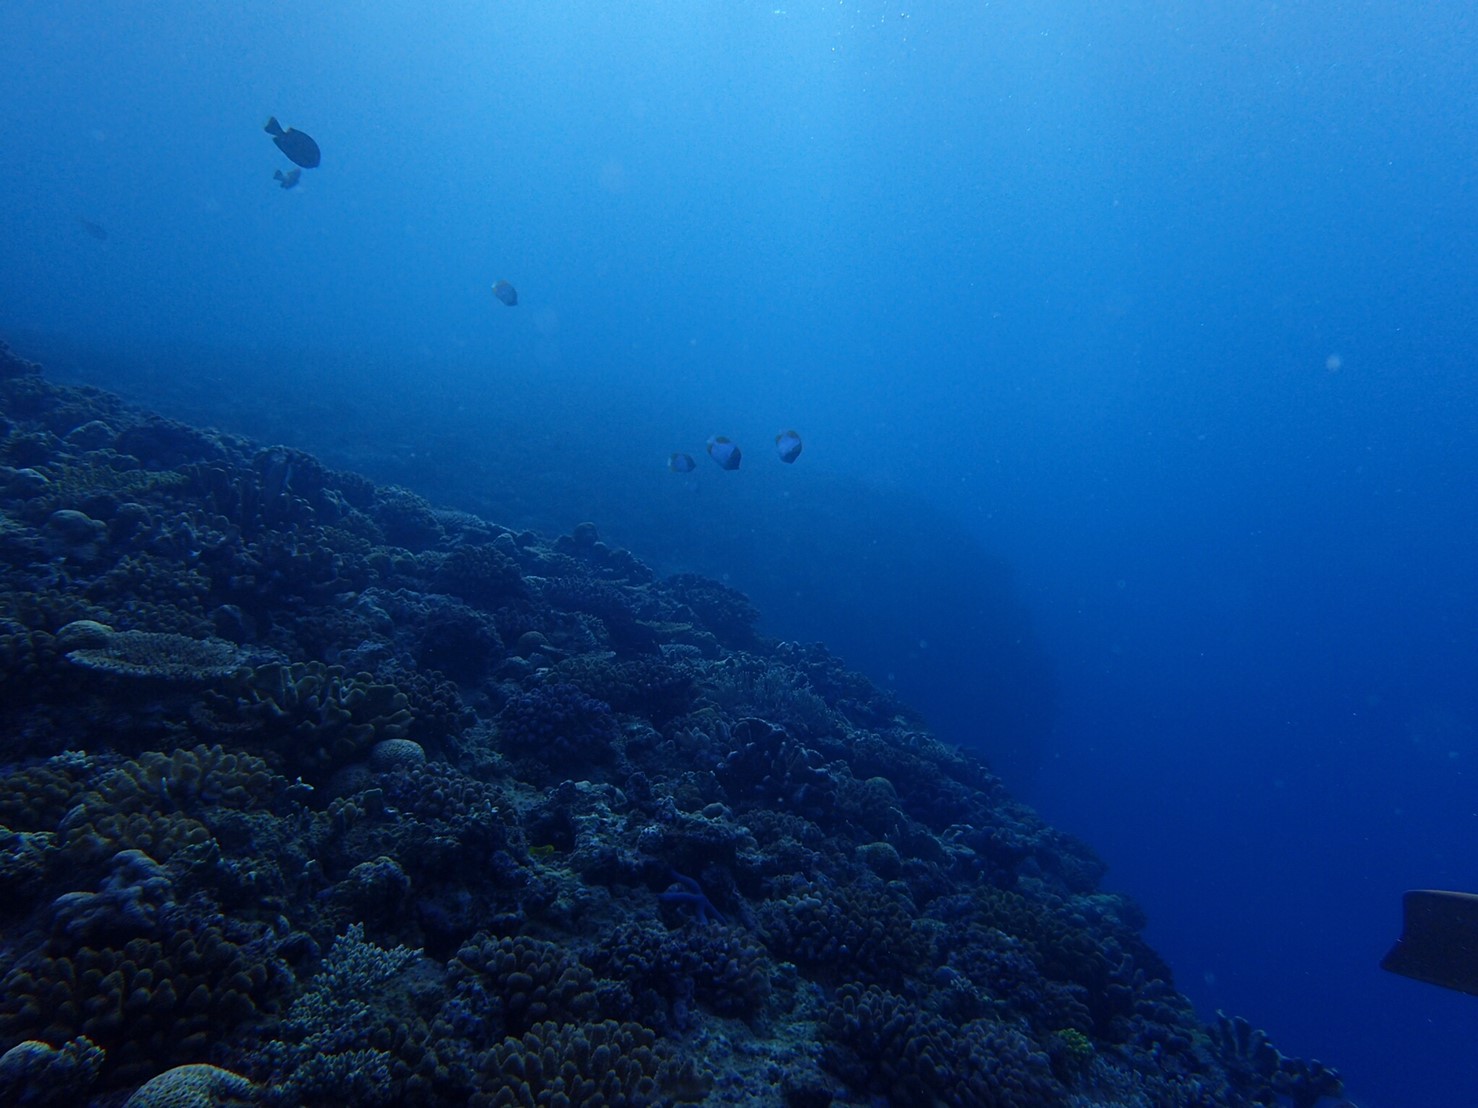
(315, 794)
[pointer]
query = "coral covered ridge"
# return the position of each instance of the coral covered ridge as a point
(314, 794)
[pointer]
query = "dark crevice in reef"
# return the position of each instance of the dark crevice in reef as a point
(315, 794)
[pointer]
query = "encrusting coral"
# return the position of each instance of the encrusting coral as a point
(34, 1074)
(193, 1086)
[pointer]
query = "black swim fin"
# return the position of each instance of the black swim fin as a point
(1439, 940)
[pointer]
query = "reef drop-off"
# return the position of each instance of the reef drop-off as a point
(315, 794)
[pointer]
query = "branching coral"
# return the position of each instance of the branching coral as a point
(884, 1045)
(325, 1036)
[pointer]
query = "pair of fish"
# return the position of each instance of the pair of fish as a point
(303, 151)
(725, 451)
(299, 148)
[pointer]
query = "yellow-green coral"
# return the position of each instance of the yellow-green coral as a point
(189, 780)
(596, 1064)
(166, 597)
(149, 803)
(70, 483)
(1075, 1044)
(147, 1002)
(35, 1072)
(318, 715)
(37, 797)
(94, 832)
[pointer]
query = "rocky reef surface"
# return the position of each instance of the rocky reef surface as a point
(314, 794)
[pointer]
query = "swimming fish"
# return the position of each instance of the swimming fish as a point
(296, 145)
(96, 230)
(681, 463)
(724, 451)
(288, 179)
(505, 292)
(788, 446)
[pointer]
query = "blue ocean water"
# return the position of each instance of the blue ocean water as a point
(1133, 348)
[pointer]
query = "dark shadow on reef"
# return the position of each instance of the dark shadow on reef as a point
(909, 599)
(903, 593)
(316, 794)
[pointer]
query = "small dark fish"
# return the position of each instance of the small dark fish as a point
(724, 451)
(681, 463)
(96, 230)
(788, 446)
(505, 292)
(296, 145)
(287, 180)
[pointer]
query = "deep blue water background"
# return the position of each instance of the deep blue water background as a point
(1133, 346)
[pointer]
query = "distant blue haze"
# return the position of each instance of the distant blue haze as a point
(1134, 346)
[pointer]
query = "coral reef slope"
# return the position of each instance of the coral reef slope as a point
(315, 794)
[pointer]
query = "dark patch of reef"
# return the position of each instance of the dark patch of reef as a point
(314, 794)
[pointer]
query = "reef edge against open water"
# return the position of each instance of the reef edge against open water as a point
(314, 794)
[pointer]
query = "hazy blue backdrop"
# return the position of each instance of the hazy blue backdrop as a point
(1133, 346)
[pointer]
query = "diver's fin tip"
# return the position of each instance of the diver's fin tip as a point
(1439, 940)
